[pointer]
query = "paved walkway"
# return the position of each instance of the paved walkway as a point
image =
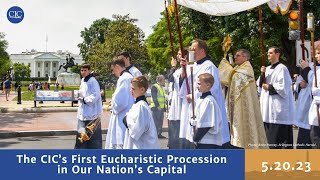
(28, 106)
(49, 118)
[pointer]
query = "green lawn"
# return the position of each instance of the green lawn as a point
(29, 95)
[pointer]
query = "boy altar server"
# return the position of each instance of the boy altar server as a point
(208, 122)
(141, 132)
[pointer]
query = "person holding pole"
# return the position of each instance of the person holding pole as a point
(276, 102)
(185, 105)
(313, 111)
(303, 103)
(174, 111)
(208, 121)
(203, 64)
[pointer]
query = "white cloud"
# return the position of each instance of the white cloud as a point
(62, 21)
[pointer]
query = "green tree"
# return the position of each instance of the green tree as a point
(243, 28)
(93, 35)
(76, 69)
(21, 72)
(4, 57)
(124, 35)
(159, 46)
(121, 35)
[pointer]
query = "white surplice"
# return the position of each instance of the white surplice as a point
(303, 103)
(207, 67)
(209, 115)
(141, 132)
(313, 115)
(122, 101)
(175, 107)
(278, 108)
(135, 71)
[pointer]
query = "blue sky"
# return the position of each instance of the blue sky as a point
(62, 21)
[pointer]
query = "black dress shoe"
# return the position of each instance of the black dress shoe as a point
(161, 137)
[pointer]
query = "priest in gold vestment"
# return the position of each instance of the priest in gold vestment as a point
(246, 125)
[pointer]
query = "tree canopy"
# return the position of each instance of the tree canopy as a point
(121, 34)
(92, 36)
(21, 72)
(4, 57)
(243, 28)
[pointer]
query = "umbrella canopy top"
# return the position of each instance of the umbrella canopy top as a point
(221, 7)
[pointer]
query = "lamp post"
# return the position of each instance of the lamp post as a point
(19, 94)
(19, 90)
(21, 77)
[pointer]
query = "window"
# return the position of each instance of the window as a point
(47, 75)
(47, 64)
(39, 66)
(54, 65)
(54, 74)
(29, 64)
(38, 73)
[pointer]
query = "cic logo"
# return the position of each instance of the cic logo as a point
(15, 14)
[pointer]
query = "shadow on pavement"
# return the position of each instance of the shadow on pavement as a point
(18, 120)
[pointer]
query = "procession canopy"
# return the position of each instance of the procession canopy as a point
(221, 7)
(280, 5)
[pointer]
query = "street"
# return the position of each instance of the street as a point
(52, 142)
(52, 130)
(52, 122)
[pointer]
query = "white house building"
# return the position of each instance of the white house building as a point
(44, 64)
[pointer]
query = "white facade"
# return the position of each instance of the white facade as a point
(44, 64)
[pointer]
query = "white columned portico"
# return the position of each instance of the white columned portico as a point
(51, 71)
(42, 74)
(34, 68)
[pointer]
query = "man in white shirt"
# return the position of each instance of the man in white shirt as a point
(276, 102)
(174, 111)
(314, 107)
(122, 101)
(90, 109)
(303, 89)
(203, 64)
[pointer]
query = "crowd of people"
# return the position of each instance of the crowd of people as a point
(201, 115)
(207, 107)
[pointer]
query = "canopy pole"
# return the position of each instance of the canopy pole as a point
(169, 28)
(181, 44)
